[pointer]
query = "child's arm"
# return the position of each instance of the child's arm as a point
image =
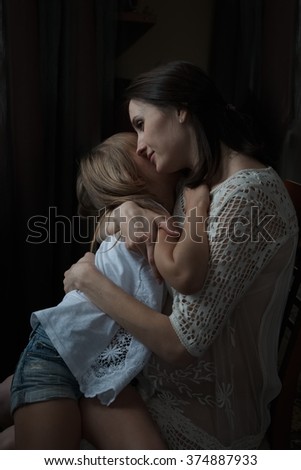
(183, 263)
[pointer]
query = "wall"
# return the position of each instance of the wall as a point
(182, 30)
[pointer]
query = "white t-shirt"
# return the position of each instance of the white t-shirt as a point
(102, 356)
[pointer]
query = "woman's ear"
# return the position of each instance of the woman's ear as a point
(182, 114)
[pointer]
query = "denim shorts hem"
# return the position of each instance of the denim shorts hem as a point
(41, 374)
(22, 398)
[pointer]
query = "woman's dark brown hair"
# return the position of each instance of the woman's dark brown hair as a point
(180, 84)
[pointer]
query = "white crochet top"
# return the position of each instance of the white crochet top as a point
(231, 326)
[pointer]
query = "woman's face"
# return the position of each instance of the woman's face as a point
(164, 137)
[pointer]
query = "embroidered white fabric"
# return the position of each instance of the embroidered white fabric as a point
(231, 326)
(102, 356)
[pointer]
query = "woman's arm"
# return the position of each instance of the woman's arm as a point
(152, 328)
(139, 227)
(183, 263)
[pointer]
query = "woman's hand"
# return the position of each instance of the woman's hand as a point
(150, 327)
(199, 196)
(139, 227)
(78, 271)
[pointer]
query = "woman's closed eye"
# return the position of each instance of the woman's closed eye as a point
(138, 124)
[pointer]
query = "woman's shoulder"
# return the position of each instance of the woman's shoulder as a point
(246, 178)
(261, 188)
(253, 183)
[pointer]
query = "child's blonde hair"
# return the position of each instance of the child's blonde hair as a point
(109, 176)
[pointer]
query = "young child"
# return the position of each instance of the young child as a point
(75, 350)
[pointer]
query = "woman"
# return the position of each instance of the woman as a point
(213, 372)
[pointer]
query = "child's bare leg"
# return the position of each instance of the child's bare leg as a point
(53, 424)
(7, 434)
(7, 438)
(126, 424)
(5, 415)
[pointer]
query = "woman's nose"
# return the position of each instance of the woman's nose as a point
(141, 149)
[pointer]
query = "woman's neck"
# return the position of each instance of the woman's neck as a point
(166, 192)
(231, 163)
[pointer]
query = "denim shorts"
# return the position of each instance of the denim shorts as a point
(41, 374)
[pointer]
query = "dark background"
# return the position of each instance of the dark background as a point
(63, 67)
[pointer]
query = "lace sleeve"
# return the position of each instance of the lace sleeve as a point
(243, 236)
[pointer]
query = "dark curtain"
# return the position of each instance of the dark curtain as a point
(290, 161)
(57, 101)
(253, 62)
